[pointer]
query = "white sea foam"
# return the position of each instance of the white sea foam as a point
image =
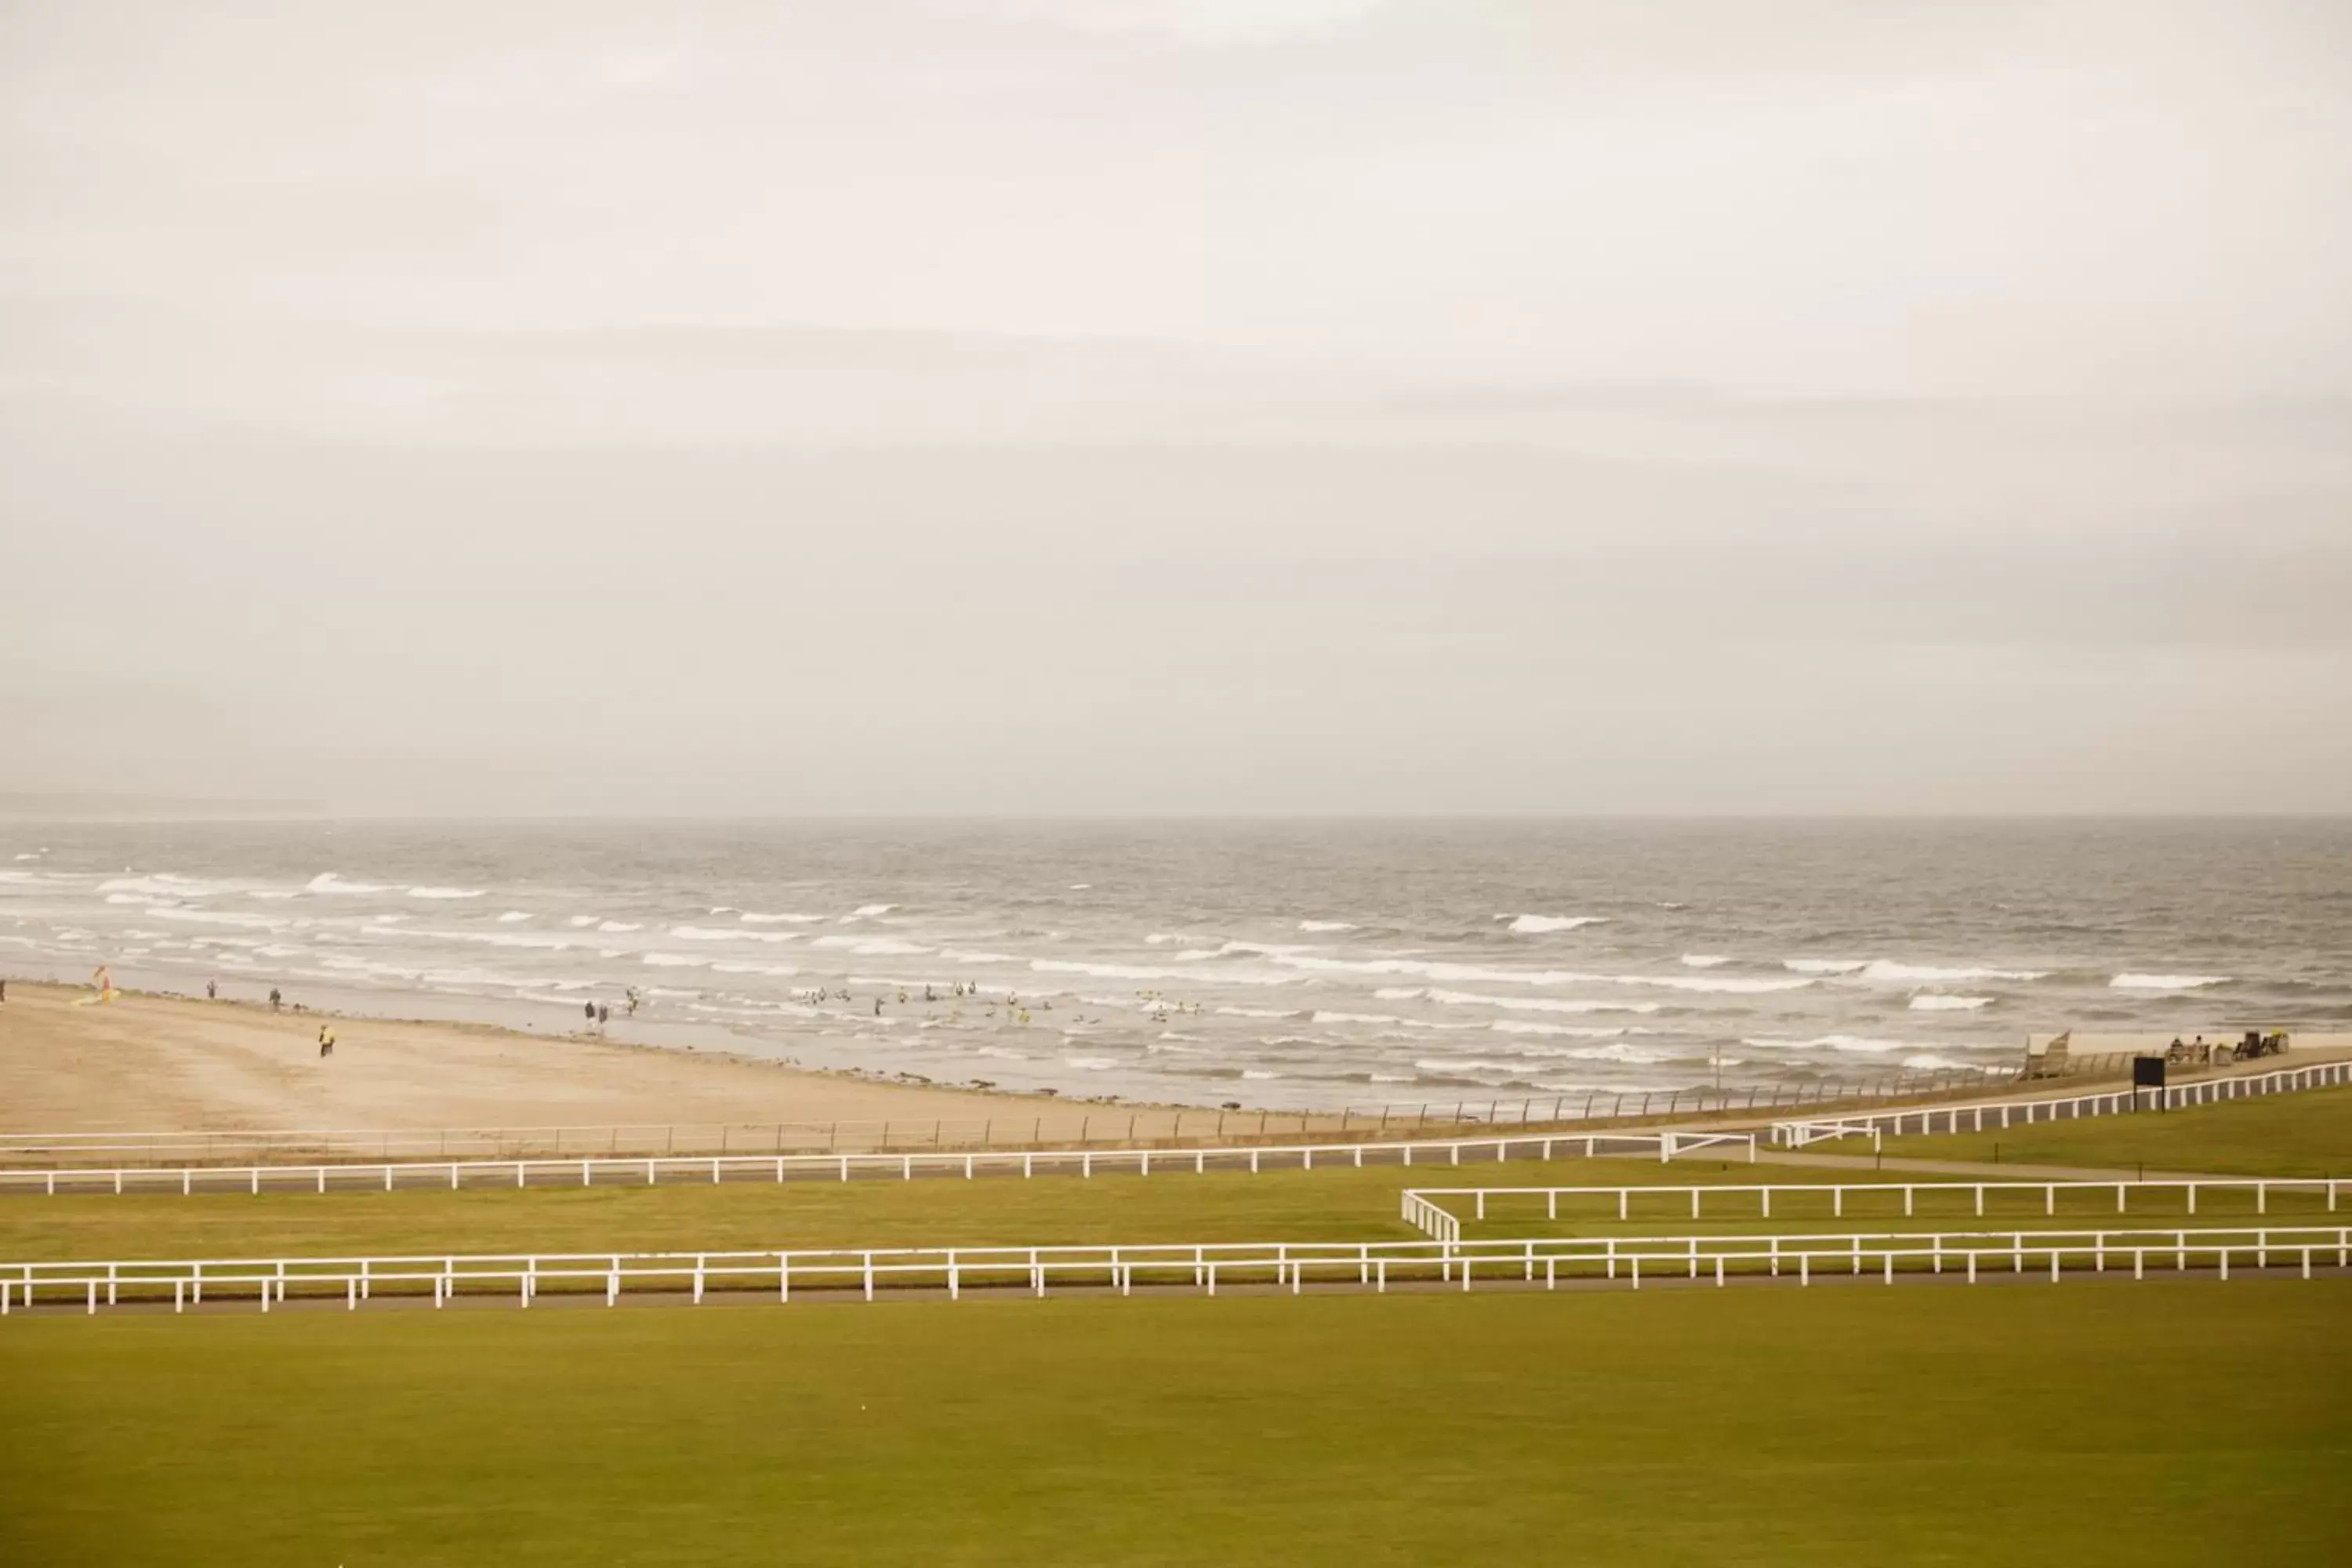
(1253, 1013)
(1465, 1064)
(514, 917)
(1258, 1073)
(722, 933)
(1929, 1061)
(1538, 925)
(1535, 1003)
(1324, 925)
(676, 960)
(1430, 969)
(872, 947)
(1528, 1027)
(1825, 965)
(1091, 1064)
(1705, 960)
(1141, 971)
(1919, 973)
(1735, 985)
(214, 918)
(1323, 1018)
(328, 882)
(582, 920)
(445, 892)
(1002, 1053)
(2166, 982)
(748, 918)
(618, 926)
(867, 912)
(1855, 1045)
(1939, 1004)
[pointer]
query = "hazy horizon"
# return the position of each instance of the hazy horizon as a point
(1149, 408)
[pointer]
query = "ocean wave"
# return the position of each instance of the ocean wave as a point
(676, 960)
(1853, 1044)
(748, 918)
(445, 892)
(1705, 960)
(1324, 1017)
(327, 882)
(2166, 982)
(1528, 1027)
(1534, 1004)
(214, 918)
(867, 913)
(1825, 965)
(1929, 1061)
(1141, 971)
(1091, 1064)
(868, 946)
(708, 934)
(584, 919)
(1430, 969)
(618, 926)
(1918, 973)
(1732, 985)
(1324, 925)
(1539, 925)
(1255, 1013)
(514, 917)
(1258, 1073)
(1939, 1004)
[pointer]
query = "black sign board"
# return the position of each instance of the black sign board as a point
(2147, 1072)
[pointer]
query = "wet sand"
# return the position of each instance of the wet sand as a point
(144, 1062)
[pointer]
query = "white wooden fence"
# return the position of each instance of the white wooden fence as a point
(1374, 1266)
(1991, 1116)
(652, 1169)
(1432, 1210)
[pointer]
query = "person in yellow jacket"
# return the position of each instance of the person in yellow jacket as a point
(325, 1039)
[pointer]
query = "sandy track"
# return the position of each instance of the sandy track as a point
(150, 1062)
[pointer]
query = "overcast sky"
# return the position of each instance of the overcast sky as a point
(1178, 406)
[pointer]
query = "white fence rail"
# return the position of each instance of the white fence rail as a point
(1432, 1210)
(652, 1169)
(1991, 1116)
(1375, 1266)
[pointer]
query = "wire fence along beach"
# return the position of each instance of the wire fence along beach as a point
(1102, 1127)
(1118, 1271)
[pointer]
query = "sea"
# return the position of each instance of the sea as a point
(1286, 965)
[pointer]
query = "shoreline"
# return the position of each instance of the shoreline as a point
(159, 1060)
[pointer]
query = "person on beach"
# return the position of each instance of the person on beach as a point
(588, 1009)
(603, 1014)
(877, 1007)
(275, 999)
(633, 1001)
(325, 1039)
(212, 990)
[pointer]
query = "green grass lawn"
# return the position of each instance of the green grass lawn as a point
(1340, 1205)
(2281, 1135)
(1992, 1424)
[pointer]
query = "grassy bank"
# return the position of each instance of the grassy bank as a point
(2307, 1134)
(1932, 1425)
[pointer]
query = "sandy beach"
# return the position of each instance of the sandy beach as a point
(154, 1062)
